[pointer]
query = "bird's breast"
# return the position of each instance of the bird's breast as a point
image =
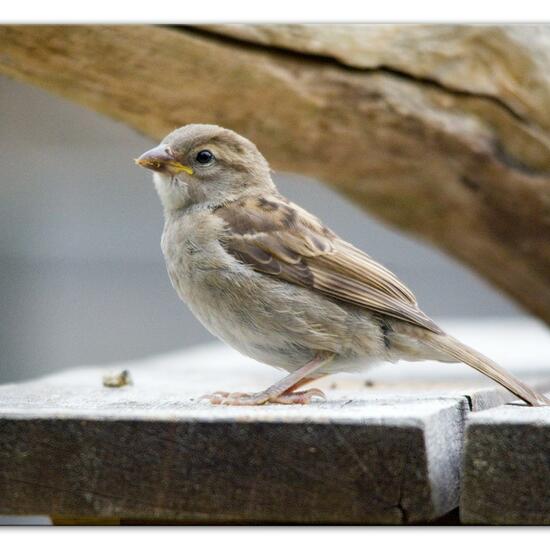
(270, 320)
(192, 252)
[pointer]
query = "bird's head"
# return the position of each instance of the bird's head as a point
(205, 164)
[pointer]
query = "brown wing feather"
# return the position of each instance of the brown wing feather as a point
(281, 239)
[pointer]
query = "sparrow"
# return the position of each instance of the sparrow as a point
(269, 279)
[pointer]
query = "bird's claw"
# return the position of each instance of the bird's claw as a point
(236, 398)
(261, 398)
(299, 397)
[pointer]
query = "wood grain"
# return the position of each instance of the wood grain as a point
(389, 453)
(507, 467)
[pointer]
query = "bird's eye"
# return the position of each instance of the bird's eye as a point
(204, 157)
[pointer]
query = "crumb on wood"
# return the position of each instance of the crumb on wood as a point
(118, 379)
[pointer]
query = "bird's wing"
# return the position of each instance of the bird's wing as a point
(281, 239)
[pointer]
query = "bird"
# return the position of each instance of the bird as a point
(271, 280)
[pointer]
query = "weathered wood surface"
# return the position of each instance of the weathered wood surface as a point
(355, 468)
(507, 467)
(440, 130)
(385, 448)
(506, 463)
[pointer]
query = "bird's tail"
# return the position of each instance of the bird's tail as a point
(463, 353)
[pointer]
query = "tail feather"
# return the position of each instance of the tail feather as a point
(463, 353)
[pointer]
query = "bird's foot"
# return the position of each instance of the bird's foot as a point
(299, 397)
(236, 398)
(261, 398)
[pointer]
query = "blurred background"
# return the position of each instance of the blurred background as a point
(82, 278)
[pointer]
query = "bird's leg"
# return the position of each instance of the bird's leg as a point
(280, 392)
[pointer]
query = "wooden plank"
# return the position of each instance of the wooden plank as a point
(356, 468)
(507, 467)
(384, 451)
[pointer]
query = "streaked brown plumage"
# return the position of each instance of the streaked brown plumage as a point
(269, 278)
(281, 239)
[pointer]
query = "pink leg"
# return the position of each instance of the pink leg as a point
(280, 392)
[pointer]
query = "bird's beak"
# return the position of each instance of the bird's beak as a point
(161, 159)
